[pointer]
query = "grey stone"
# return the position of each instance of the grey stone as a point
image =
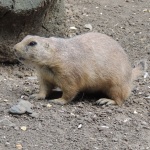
(22, 107)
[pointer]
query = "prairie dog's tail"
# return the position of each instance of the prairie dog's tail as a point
(139, 68)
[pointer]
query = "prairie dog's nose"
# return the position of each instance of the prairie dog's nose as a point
(15, 48)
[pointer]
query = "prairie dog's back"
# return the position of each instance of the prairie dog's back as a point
(95, 55)
(94, 47)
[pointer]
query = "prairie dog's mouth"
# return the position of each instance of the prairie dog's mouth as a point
(20, 58)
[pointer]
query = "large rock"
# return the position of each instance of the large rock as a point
(21, 17)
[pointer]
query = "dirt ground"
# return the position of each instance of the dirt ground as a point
(82, 125)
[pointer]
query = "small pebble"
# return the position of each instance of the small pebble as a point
(126, 120)
(145, 10)
(104, 127)
(135, 112)
(146, 75)
(101, 128)
(48, 105)
(24, 128)
(5, 100)
(32, 78)
(7, 144)
(73, 28)
(88, 26)
(79, 126)
(18, 146)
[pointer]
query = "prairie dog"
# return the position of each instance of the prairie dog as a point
(88, 62)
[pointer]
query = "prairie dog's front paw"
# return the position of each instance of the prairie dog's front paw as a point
(37, 96)
(59, 101)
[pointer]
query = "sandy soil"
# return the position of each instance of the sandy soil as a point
(82, 125)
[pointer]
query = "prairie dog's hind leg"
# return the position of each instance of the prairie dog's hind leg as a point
(105, 101)
(117, 95)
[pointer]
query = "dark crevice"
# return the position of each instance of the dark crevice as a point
(4, 15)
(45, 28)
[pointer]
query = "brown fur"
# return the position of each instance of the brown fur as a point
(88, 62)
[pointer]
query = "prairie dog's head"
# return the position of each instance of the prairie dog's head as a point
(32, 49)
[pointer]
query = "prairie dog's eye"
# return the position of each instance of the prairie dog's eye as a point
(33, 43)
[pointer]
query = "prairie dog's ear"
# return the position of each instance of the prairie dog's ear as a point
(46, 45)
